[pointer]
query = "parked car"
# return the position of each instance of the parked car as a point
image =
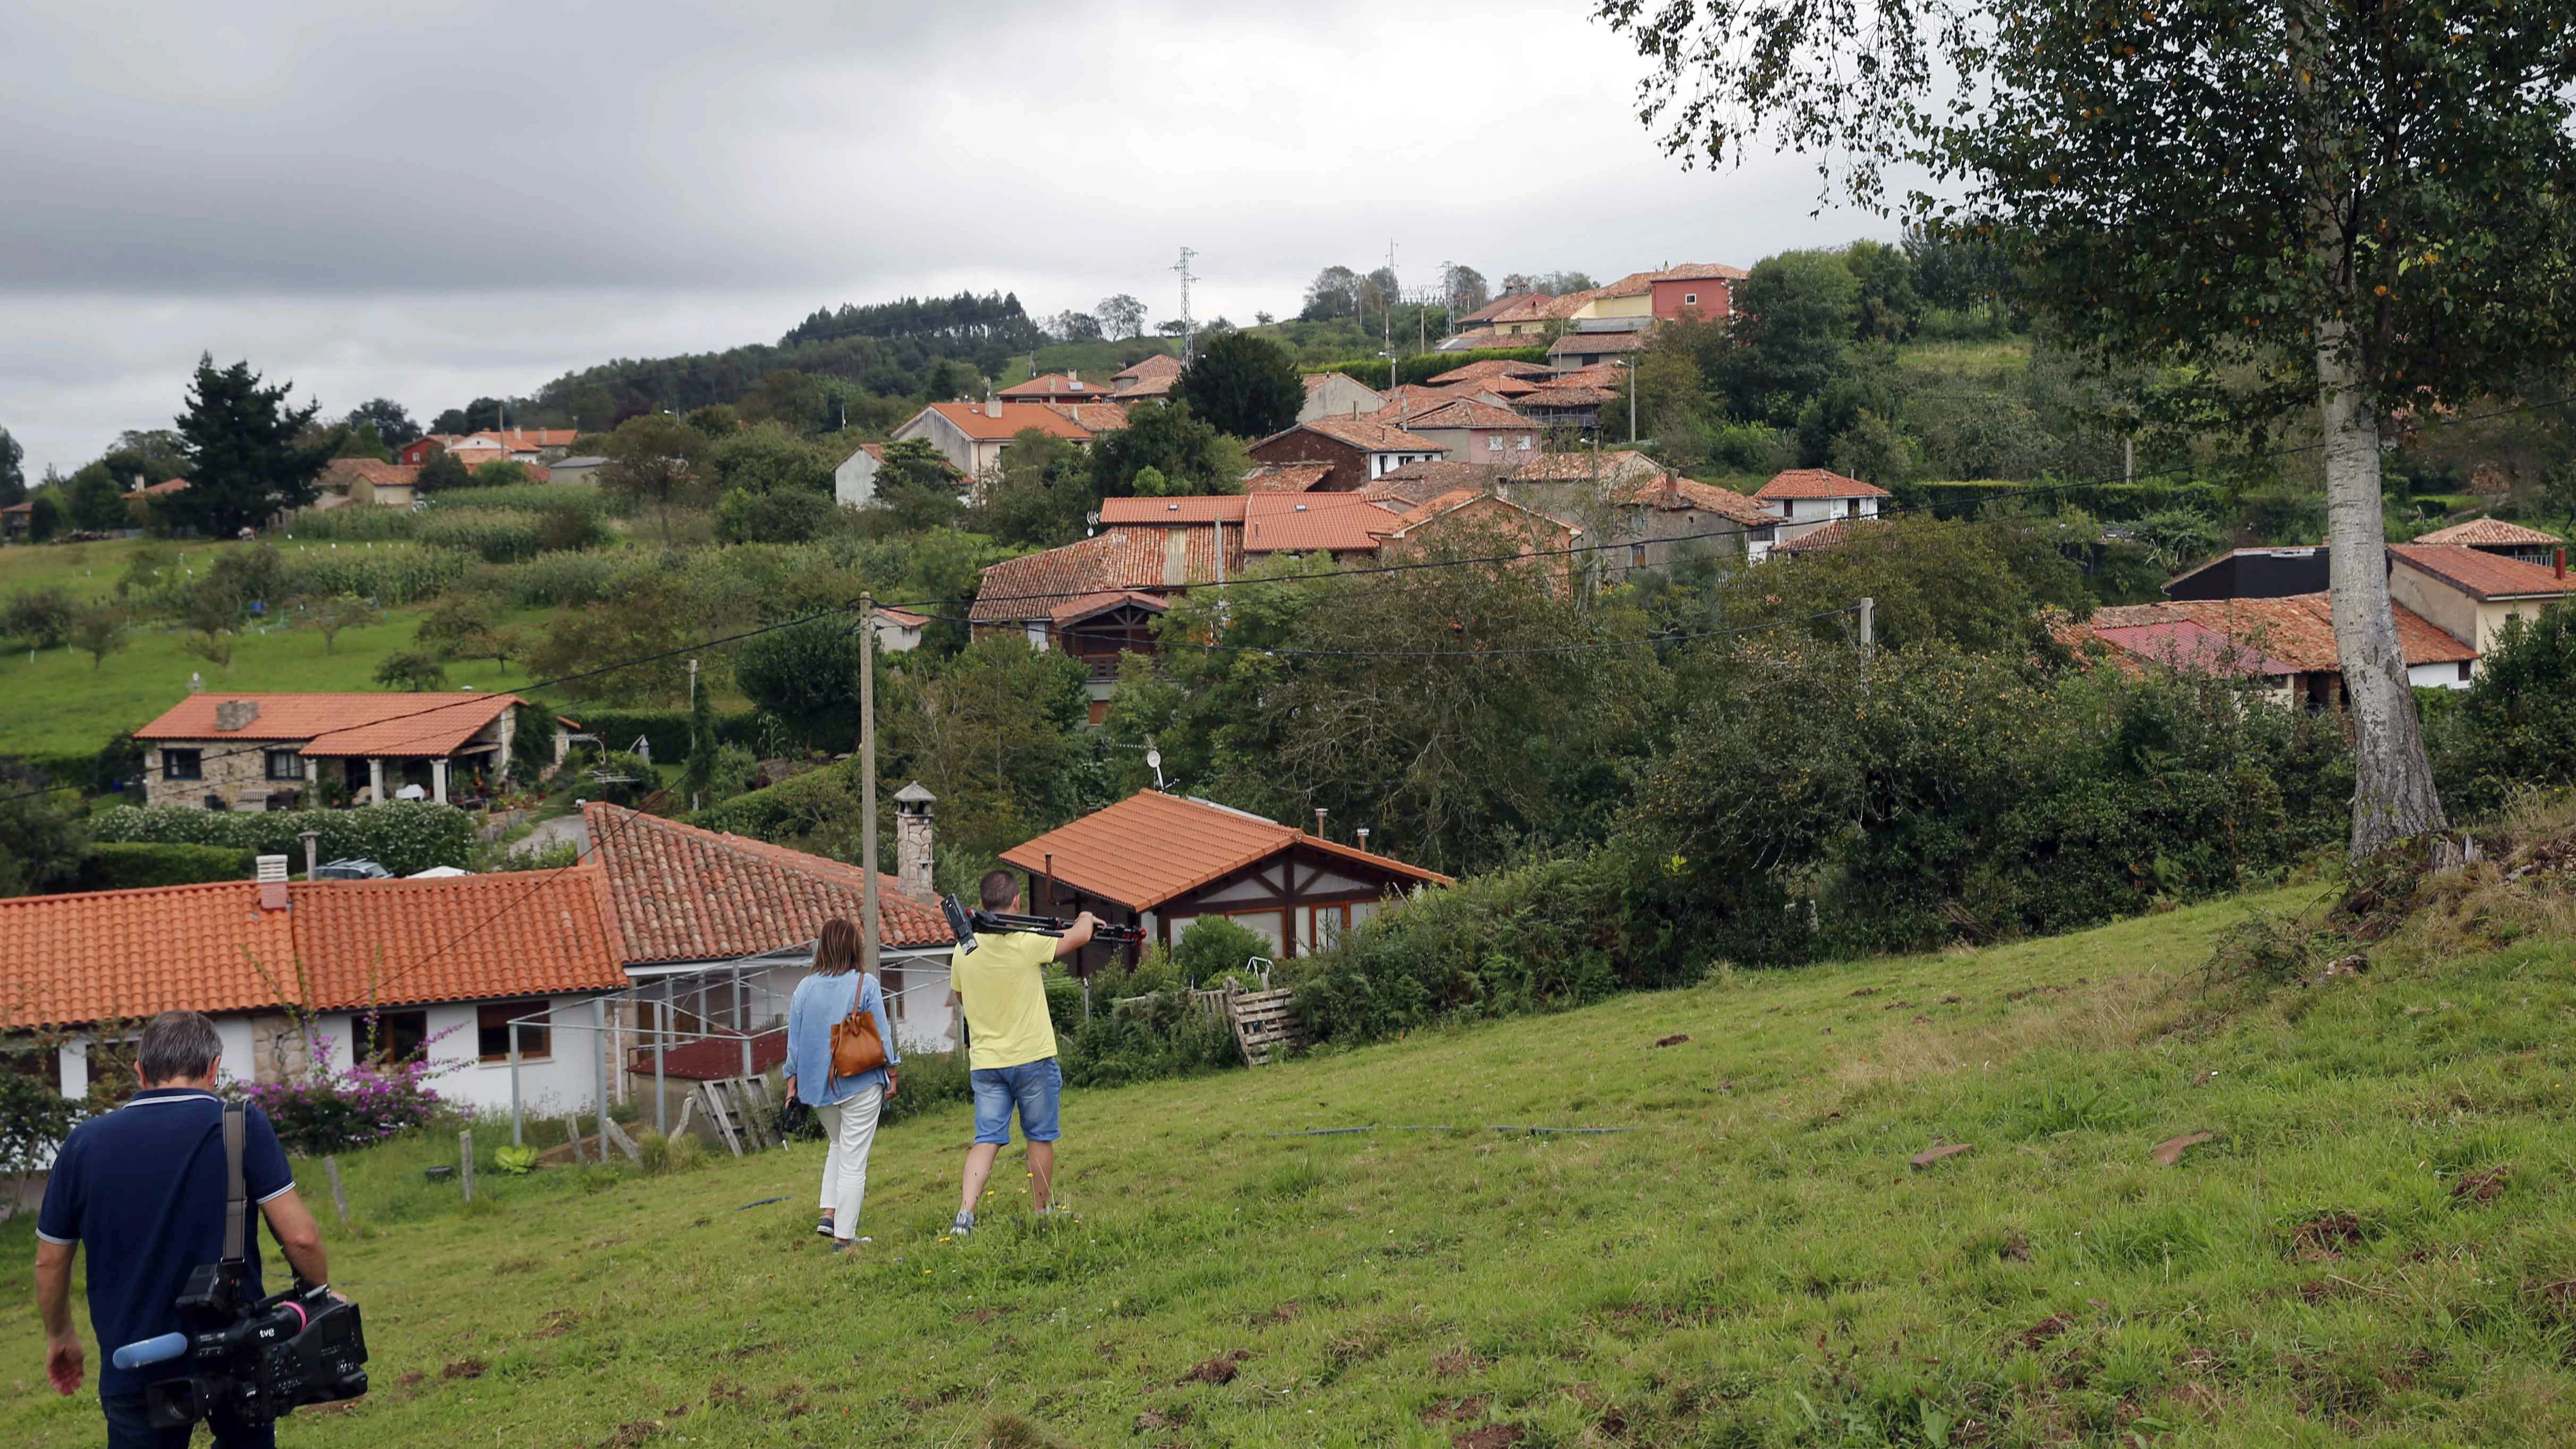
(352, 870)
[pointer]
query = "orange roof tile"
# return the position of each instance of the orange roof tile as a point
(1367, 434)
(2482, 575)
(1285, 477)
(1818, 483)
(1030, 586)
(1074, 611)
(341, 472)
(1171, 512)
(1566, 397)
(1468, 412)
(1055, 387)
(1094, 417)
(2299, 630)
(1312, 523)
(1816, 540)
(1490, 369)
(2490, 532)
(1510, 303)
(1150, 848)
(386, 724)
(1701, 272)
(679, 893)
(1161, 367)
(130, 953)
(165, 488)
(1589, 343)
(1674, 493)
(1614, 465)
(975, 422)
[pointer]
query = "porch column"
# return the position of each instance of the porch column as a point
(376, 780)
(438, 779)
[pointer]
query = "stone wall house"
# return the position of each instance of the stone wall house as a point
(281, 751)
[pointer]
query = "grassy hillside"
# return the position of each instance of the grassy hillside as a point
(1751, 1261)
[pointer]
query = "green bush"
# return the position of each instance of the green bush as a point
(537, 498)
(404, 837)
(1214, 946)
(2516, 725)
(389, 573)
(127, 864)
(2114, 502)
(558, 580)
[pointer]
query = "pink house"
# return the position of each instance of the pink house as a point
(1707, 288)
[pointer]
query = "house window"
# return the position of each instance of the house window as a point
(1636, 555)
(1690, 299)
(1788, 508)
(285, 765)
(1494, 445)
(492, 1031)
(393, 1036)
(1853, 509)
(183, 765)
(2464, 671)
(1525, 442)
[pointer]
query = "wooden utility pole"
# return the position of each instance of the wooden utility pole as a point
(868, 783)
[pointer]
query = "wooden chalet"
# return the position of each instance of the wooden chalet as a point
(1161, 861)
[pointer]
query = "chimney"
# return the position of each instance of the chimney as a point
(914, 840)
(1319, 822)
(312, 851)
(1362, 833)
(235, 714)
(992, 405)
(272, 882)
(2562, 560)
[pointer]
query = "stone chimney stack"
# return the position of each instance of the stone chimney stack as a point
(235, 714)
(914, 841)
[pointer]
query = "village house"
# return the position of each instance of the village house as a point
(1160, 862)
(1494, 371)
(2288, 641)
(1148, 381)
(1338, 394)
(1467, 430)
(973, 436)
(2254, 573)
(1806, 499)
(1576, 350)
(2470, 593)
(527, 445)
(285, 751)
(584, 469)
(703, 932)
(1359, 449)
(363, 481)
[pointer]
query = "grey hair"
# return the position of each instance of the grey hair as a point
(178, 1044)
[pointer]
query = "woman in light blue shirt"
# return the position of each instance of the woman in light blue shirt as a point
(848, 1106)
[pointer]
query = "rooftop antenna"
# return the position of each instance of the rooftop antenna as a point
(1189, 330)
(1386, 314)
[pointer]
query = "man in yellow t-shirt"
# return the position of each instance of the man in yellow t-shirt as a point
(1001, 986)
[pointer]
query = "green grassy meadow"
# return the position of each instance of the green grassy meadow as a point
(1751, 1261)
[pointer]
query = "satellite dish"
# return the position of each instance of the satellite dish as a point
(1154, 762)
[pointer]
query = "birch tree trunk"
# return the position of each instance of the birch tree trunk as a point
(2392, 786)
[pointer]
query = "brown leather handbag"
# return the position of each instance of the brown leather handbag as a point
(856, 1047)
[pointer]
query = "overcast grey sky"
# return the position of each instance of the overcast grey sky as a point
(433, 201)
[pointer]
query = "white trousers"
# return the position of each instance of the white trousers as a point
(850, 1126)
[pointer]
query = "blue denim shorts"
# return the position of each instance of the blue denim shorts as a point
(1033, 1087)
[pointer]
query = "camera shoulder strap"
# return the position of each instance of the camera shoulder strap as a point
(236, 1196)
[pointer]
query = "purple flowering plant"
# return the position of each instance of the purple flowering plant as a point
(327, 1110)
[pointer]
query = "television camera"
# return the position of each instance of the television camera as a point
(964, 924)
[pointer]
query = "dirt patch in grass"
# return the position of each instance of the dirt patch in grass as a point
(1218, 1370)
(2482, 1187)
(463, 1368)
(2325, 1236)
(1492, 1436)
(2038, 1334)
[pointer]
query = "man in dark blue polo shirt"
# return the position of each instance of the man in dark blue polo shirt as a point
(143, 1187)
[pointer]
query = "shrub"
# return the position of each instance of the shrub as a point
(34, 1120)
(667, 730)
(389, 573)
(39, 618)
(326, 1111)
(128, 864)
(2517, 723)
(1214, 946)
(558, 580)
(404, 836)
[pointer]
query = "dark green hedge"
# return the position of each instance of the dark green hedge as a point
(1423, 368)
(117, 865)
(403, 837)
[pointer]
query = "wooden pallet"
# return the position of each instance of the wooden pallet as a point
(1265, 1024)
(740, 1110)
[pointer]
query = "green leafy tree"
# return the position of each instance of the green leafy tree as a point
(1886, 307)
(1121, 316)
(1041, 495)
(99, 630)
(42, 842)
(743, 516)
(40, 618)
(995, 734)
(626, 647)
(1242, 385)
(98, 501)
(769, 458)
(808, 677)
(916, 489)
(44, 515)
(1173, 441)
(411, 669)
(2336, 211)
(361, 440)
(441, 471)
(327, 617)
(501, 473)
(1966, 584)
(390, 420)
(697, 777)
(2177, 538)
(13, 471)
(1794, 325)
(2521, 713)
(717, 420)
(654, 461)
(153, 455)
(146, 570)
(250, 455)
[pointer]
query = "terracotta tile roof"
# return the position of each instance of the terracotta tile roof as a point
(1152, 847)
(1702, 272)
(1602, 375)
(2189, 644)
(1673, 494)
(1633, 284)
(1492, 368)
(1468, 412)
(341, 472)
(165, 488)
(1285, 477)
(1558, 309)
(1588, 343)
(972, 420)
(1161, 365)
(130, 953)
(1486, 339)
(1818, 483)
(1314, 380)
(2298, 630)
(1168, 512)
(1074, 611)
(1030, 586)
(1422, 397)
(387, 724)
(1566, 397)
(1420, 482)
(679, 893)
(1833, 535)
(2490, 532)
(1523, 307)
(1367, 434)
(1095, 417)
(1511, 388)
(1508, 303)
(527, 438)
(1055, 387)
(1312, 523)
(2482, 575)
(903, 618)
(1615, 465)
